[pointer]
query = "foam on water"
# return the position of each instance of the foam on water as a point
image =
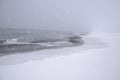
(20, 40)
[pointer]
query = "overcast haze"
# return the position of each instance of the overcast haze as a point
(69, 15)
(37, 55)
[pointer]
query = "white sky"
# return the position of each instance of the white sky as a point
(70, 15)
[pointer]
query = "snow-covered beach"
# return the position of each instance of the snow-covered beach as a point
(59, 39)
(97, 59)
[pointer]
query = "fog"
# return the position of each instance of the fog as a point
(97, 59)
(63, 15)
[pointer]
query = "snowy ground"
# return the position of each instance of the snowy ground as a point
(97, 59)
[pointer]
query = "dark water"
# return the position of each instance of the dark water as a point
(24, 40)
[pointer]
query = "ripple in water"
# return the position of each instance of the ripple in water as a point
(21, 40)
